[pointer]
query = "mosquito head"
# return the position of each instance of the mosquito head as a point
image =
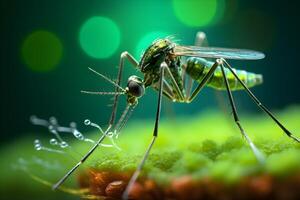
(155, 54)
(135, 89)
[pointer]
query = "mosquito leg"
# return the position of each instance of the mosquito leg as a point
(204, 80)
(259, 156)
(168, 90)
(62, 180)
(132, 60)
(118, 89)
(177, 89)
(124, 55)
(187, 83)
(200, 40)
(260, 105)
(155, 133)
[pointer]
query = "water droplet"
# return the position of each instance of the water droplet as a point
(38, 147)
(37, 144)
(87, 122)
(110, 134)
(78, 135)
(63, 144)
(53, 141)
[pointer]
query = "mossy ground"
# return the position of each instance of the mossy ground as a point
(208, 145)
(201, 146)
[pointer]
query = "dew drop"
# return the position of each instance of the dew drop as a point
(87, 122)
(38, 147)
(110, 134)
(63, 144)
(53, 141)
(78, 135)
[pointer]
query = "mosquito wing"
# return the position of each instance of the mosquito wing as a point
(216, 52)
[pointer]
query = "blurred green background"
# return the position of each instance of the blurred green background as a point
(47, 46)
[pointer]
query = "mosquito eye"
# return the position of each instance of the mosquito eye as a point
(135, 88)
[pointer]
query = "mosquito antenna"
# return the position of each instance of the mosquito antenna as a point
(102, 93)
(107, 79)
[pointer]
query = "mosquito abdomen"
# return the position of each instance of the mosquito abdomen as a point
(197, 68)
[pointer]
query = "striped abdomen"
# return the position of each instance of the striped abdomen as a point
(197, 68)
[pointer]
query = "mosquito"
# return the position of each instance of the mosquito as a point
(171, 69)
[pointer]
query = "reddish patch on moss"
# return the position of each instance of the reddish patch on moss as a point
(111, 185)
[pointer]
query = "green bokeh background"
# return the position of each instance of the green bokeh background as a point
(268, 26)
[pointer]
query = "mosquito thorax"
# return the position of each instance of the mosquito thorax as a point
(135, 89)
(155, 54)
(158, 52)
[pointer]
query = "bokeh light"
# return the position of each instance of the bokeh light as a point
(42, 51)
(99, 37)
(147, 40)
(195, 13)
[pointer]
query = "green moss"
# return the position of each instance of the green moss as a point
(221, 153)
(191, 145)
(225, 171)
(284, 163)
(169, 159)
(208, 148)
